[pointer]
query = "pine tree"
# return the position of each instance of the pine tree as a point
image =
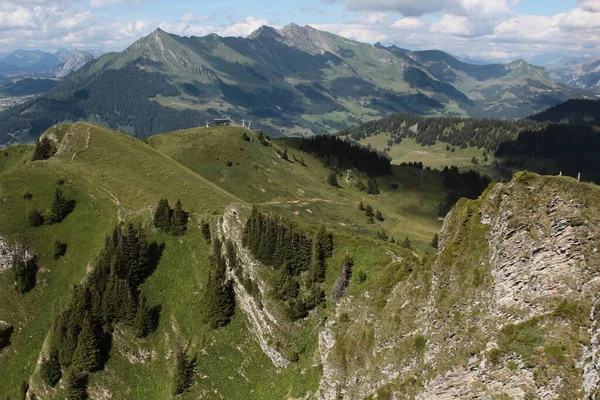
(50, 369)
(205, 229)
(35, 218)
(332, 179)
(44, 149)
(368, 210)
(372, 187)
(284, 153)
(180, 220)
(143, 318)
(361, 206)
(162, 215)
(61, 207)
(219, 298)
(406, 243)
(435, 241)
(76, 385)
(60, 248)
(87, 356)
(184, 371)
(378, 216)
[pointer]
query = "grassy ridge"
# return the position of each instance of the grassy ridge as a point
(114, 177)
(258, 175)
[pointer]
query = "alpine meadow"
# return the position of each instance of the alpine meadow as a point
(233, 206)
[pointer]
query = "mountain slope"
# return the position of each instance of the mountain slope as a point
(294, 80)
(507, 307)
(75, 62)
(584, 75)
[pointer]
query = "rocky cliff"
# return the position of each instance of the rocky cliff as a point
(507, 309)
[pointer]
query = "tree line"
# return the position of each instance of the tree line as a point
(298, 260)
(458, 132)
(81, 333)
(339, 154)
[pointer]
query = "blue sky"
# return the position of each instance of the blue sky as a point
(489, 29)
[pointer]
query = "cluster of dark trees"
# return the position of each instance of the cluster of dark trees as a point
(459, 132)
(572, 149)
(173, 221)
(299, 260)
(61, 207)
(339, 154)
(82, 331)
(117, 97)
(368, 210)
(372, 186)
(412, 164)
(219, 297)
(575, 111)
(44, 149)
(468, 184)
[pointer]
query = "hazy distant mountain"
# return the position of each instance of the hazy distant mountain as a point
(293, 80)
(584, 75)
(76, 61)
(28, 62)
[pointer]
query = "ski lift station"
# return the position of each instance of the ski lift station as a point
(224, 121)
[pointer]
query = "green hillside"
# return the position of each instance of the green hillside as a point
(259, 176)
(112, 178)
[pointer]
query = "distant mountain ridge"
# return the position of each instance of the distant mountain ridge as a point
(40, 63)
(293, 80)
(585, 75)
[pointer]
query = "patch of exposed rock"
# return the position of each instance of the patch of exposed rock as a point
(262, 322)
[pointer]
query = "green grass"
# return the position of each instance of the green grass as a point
(435, 156)
(259, 176)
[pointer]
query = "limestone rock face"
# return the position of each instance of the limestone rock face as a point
(510, 307)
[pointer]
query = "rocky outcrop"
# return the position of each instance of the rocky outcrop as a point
(7, 251)
(265, 326)
(511, 257)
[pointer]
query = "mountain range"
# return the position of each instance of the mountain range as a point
(296, 80)
(584, 74)
(27, 63)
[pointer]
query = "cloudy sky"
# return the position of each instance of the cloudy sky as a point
(502, 29)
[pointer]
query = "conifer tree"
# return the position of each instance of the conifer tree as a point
(378, 216)
(332, 179)
(406, 243)
(61, 207)
(184, 370)
(368, 210)
(87, 356)
(361, 206)
(143, 318)
(60, 248)
(44, 149)
(219, 298)
(76, 385)
(35, 218)
(284, 153)
(162, 215)
(50, 369)
(435, 241)
(179, 220)
(205, 229)
(372, 187)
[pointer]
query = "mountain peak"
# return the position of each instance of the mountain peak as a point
(264, 32)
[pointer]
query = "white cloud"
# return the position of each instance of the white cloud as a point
(407, 23)
(589, 5)
(360, 32)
